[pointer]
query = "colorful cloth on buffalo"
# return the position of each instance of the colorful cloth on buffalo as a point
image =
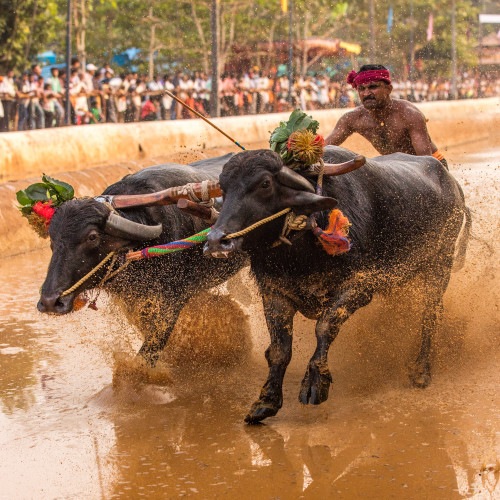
(334, 239)
(372, 75)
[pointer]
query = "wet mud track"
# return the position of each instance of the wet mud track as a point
(67, 432)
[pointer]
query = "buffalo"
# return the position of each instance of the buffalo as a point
(406, 213)
(83, 231)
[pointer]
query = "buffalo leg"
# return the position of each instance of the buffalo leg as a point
(279, 312)
(317, 380)
(158, 332)
(436, 282)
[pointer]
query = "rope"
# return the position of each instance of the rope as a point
(205, 201)
(257, 224)
(174, 246)
(88, 275)
(321, 171)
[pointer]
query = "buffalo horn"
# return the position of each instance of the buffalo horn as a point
(294, 180)
(124, 228)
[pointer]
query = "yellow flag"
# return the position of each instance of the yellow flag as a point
(284, 5)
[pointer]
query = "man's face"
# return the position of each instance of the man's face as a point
(374, 95)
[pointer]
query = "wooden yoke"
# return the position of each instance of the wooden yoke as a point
(166, 197)
(171, 195)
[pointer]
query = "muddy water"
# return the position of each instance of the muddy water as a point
(67, 432)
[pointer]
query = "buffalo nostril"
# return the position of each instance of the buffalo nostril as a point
(51, 303)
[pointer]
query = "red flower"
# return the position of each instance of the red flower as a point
(319, 141)
(45, 210)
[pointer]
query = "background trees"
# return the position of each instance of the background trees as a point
(177, 32)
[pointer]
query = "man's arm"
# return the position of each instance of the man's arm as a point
(341, 131)
(419, 135)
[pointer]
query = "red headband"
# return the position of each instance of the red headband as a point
(372, 75)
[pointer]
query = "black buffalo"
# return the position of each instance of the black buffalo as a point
(406, 214)
(82, 234)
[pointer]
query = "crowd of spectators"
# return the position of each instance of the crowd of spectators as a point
(30, 101)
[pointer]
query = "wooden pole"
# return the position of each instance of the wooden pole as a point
(290, 51)
(68, 63)
(199, 115)
(453, 51)
(214, 91)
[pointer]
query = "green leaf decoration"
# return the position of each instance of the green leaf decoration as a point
(64, 190)
(49, 190)
(23, 198)
(37, 192)
(298, 120)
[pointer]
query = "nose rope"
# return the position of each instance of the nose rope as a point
(175, 246)
(256, 225)
(88, 275)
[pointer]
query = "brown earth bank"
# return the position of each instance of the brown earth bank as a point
(29, 153)
(66, 430)
(453, 125)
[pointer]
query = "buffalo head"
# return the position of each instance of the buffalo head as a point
(82, 233)
(255, 185)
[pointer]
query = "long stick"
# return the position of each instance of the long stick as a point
(199, 115)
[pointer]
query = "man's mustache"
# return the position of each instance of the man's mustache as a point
(369, 98)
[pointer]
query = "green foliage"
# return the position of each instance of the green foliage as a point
(182, 30)
(26, 27)
(48, 190)
(298, 121)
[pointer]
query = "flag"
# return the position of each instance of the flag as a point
(430, 27)
(389, 20)
(284, 6)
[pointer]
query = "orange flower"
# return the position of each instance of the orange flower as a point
(307, 147)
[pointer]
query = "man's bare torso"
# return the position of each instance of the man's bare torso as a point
(388, 130)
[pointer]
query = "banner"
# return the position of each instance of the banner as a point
(389, 20)
(284, 6)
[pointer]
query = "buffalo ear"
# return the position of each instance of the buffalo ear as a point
(304, 202)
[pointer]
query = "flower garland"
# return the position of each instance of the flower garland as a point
(38, 202)
(296, 141)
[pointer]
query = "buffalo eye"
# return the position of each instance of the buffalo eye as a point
(92, 237)
(265, 184)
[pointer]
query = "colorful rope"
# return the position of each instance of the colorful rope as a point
(173, 246)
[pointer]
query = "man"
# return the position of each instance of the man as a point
(57, 92)
(8, 103)
(391, 125)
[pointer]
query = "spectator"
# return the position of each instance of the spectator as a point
(47, 103)
(36, 115)
(56, 87)
(8, 94)
(102, 96)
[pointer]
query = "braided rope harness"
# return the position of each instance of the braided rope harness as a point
(176, 246)
(292, 223)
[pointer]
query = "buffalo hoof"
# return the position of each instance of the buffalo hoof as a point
(259, 411)
(420, 374)
(315, 386)
(420, 379)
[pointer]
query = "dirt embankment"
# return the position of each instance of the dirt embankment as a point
(90, 158)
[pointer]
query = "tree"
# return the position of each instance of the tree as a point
(26, 26)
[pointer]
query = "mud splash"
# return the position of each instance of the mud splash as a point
(66, 431)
